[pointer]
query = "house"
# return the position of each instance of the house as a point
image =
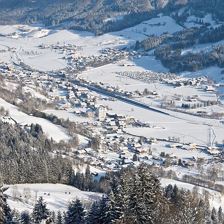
(101, 113)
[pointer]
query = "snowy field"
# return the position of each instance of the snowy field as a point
(190, 129)
(109, 76)
(22, 197)
(20, 42)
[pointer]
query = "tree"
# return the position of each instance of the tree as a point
(220, 215)
(88, 179)
(25, 218)
(2, 208)
(59, 218)
(8, 215)
(93, 214)
(214, 216)
(75, 213)
(104, 214)
(40, 211)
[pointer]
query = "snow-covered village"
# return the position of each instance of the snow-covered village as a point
(83, 117)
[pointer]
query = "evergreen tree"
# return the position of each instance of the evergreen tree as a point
(25, 218)
(220, 215)
(115, 210)
(8, 215)
(75, 213)
(2, 208)
(53, 216)
(93, 214)
(88, 183)
(40, 211)
(169, 191)
(59, 218)
(104, 214)
(214, 216)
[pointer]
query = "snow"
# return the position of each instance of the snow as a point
(64, 114)
(55, 132)
(179, 153)
(213, 72)
(154, 26)
(193, 129)
(25, 41)
(107, 74)
(202, 47)
(34, 93)
(57, 196)
(193, 21)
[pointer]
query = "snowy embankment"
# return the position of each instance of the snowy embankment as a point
(22, 197)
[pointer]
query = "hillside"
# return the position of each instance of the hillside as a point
(85, 15)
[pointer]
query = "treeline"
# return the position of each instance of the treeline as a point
(136, 197)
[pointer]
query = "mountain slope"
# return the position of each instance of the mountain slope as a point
(88, 14)
(100, 15)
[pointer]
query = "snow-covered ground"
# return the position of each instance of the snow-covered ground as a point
(189, 129)
(193, 21)
(70, 115)
(51, 130)
(22, 197)
(21, 42)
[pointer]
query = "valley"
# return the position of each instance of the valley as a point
(116, 100)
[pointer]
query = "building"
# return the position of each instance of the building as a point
(101, 113)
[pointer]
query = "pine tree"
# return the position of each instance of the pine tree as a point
(169, 191)
(53, 216)
(88, 179)
(59, 218)
(214, 216)
(40, 211)
(25, 218)
(115, 210)
(93, 214)
(8, 215)
(149, 195)
(104, 214)
(220, 215)
(2, 208)
(75, 213)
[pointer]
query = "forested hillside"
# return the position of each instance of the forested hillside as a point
(100, 16)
